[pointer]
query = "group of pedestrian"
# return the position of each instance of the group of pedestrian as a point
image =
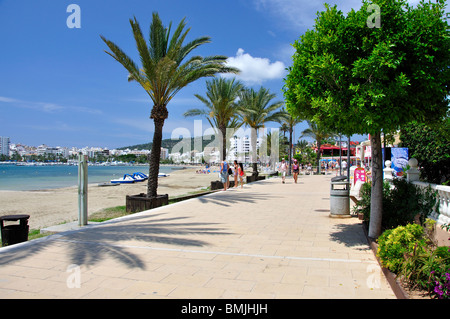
(236, 170)
(283, 168)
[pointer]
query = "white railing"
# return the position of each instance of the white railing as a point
(441, 213)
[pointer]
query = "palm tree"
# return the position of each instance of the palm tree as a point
(289, 122)
(284, 128)
(256, 110)
(164, 73)
(318, 133)
(221, 109)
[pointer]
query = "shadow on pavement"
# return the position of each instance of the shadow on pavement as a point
(350, 235)
(231, 197)
(91, 245)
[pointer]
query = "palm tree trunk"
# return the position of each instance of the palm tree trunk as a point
(254, 155)
(159, 114)
(319, 144)
(223, 156)
(376, 199)
(290, 151)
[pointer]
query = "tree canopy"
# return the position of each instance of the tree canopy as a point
(166, 69)
(358, 80)
(354, 76)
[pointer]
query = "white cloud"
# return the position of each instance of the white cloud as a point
(255, 70)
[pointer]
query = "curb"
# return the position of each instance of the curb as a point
(399, 292)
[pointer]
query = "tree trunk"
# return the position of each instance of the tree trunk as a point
(376, 199)
(159, 114)
(290, 152)
(254, 152)
(223, 151)
(319, 144)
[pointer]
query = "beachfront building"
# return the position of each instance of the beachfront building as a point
(241, 147)
(4, 145)
(43, 150)
(164, 153)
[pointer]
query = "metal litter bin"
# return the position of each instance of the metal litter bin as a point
(340, 197)
(14, 234)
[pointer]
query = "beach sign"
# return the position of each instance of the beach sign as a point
(359, 175)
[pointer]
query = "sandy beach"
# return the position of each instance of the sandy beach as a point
(56, 206)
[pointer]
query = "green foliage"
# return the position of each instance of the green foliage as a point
(405, 202)
(422, 266)
(221, 109)
(410, 252)
(164, 72)
(402, 204)
(395, 243)
(355, 80)
(431, 147)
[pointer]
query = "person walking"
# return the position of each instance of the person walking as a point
(224, 174)
(295, 170)
(241, 174)
(235, 173)
(283, 169)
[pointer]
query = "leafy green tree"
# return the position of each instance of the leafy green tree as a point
(431, 147)
(164, 73)
(355, 78)
(221, 109)
(257, 109)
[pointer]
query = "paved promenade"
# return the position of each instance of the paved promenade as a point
(267, 240)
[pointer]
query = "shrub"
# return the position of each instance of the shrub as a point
(363, 205)
(405, 202)
(401, 204)
(423, 268)
(442, 285)
(410, 252)
(395, 244)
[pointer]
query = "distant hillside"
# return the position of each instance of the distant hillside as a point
(169, 143)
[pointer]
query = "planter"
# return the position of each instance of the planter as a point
(251, 178)
(215, 185)
(254, 178)
(139, 203)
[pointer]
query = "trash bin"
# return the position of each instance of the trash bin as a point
(340, 197)
(14, 234)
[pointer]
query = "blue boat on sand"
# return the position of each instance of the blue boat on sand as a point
(139, 177)
(126, 179)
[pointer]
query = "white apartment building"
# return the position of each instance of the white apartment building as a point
(4, 145)
(241, 149)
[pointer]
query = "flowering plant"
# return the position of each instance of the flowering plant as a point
(442, 284)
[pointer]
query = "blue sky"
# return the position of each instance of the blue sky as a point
(58, 86)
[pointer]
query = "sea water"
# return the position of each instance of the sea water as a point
(23, 178)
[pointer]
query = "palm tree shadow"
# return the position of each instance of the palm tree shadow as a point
(229, 198)
(117, 240)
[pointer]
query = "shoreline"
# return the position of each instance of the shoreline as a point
(49, 207)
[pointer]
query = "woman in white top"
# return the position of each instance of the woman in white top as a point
(283, 169)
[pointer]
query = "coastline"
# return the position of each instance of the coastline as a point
(51, 207)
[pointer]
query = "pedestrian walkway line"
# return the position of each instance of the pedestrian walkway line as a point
(86, 242)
